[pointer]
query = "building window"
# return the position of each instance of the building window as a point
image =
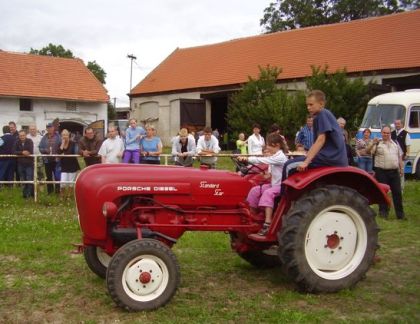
(71, 106)
(25, 104)
(414, 121)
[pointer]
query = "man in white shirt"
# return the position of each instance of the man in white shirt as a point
(112, 149)
(389, 167)
(256, 142)
(207, 146)
(36, 139)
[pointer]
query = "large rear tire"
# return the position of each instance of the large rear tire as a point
(418, 170)
(328, 239)
(97, 260)
(143, 275)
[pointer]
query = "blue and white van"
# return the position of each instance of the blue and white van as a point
(385, 109)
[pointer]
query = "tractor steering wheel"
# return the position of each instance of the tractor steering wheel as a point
(246, 167)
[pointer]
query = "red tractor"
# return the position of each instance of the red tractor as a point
(323, 234)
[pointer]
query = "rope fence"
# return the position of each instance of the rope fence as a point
(37, 182)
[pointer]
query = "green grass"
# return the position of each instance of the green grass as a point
(41, 281)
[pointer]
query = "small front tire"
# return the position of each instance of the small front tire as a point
(143, 275)
(97, 260)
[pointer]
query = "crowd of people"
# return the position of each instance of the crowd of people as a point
(322, 141)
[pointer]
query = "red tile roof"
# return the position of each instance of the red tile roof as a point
(374, 44)
(36, 76)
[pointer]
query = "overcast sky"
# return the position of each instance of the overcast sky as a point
(108, 30)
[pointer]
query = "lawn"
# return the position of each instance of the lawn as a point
(42, 281)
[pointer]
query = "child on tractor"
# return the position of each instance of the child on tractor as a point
(328, 148)
(263, 195)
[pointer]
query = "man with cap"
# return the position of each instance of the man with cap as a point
(49, 144)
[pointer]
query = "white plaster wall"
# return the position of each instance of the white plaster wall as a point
(45, 111)
(167, 109)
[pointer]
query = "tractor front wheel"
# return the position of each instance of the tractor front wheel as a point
(328, 239)
(97, 260)
(143, 275)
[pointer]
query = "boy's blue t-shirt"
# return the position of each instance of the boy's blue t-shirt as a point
(333, 153)
(150, 145)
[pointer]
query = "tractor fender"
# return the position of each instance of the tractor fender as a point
(351, 177)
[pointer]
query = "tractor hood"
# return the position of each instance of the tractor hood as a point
(187, 188)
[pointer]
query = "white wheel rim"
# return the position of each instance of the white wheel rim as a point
(336, 242)
(145, 278)
(103, 258)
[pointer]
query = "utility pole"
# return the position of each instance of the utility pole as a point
(131, 57)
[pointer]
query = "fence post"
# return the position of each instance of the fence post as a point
(35, 178)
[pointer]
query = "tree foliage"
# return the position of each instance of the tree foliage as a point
(112, 113)
(291, 14)
(346, 97)
(262, 101)
(60, 51)
(97, 71)
(53, 50)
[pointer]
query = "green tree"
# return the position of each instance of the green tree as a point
(291, 14)
(112, 114)
(60, 51)
(261, 101)
(53, 50)
(97, 71)
(346, 97)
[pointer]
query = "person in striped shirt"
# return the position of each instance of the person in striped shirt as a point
(306, 134)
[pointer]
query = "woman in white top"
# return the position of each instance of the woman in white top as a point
(256, 142)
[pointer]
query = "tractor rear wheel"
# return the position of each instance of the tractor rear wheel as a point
(143, 275)
(418, 170)
(97, 260)
(328, 239)
(258, 258)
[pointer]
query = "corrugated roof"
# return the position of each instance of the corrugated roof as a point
(373, 44)
(37, 76)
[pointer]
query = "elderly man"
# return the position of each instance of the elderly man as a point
(207, 146)
(401, 136)
(342, 123)
(36, 139)
(112, 149)
(388, 169)
(89, 146)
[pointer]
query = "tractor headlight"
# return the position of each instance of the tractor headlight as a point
(109, 209)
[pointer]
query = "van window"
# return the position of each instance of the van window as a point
(414, 121)
(377, 116)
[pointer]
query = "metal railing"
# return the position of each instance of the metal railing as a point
(36, 182)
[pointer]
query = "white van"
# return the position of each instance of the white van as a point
(385, 109)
